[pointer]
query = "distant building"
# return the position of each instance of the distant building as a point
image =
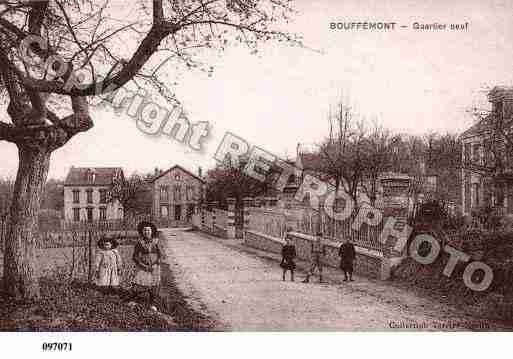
(86, 194)
(177, 193)
(480, 186)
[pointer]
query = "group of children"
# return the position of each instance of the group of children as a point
(147, 256)
(346, 253)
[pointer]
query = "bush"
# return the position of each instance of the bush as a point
(495, 249)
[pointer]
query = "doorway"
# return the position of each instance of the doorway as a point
(178, 212)
(89, 214)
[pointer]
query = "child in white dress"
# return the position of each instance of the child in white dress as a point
(108, 266)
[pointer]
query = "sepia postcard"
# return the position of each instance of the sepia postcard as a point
(255, 166)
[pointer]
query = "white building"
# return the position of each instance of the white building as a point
(177, 193)
(86, 194)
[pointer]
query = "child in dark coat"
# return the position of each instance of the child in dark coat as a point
(347, 255)
(288, 253)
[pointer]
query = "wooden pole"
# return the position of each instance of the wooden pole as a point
(89, 258)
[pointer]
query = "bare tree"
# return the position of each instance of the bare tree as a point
(342, 152)
(380, 147)
(231, 180)
(90, 36)
(134, 194)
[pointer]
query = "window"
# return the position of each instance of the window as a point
(189, 194)
(177, 193)
(103, 213)
(499, 108)
(103, 196)
(467, 196)
(164, 195)
(476, 153)
(178, 212)
(91, 175)
(164, 211)
(499, 195)
(476, 194)
(190, 211)
(76, 214)
(89, 195)
(466, 153)
(76, 196)
(89, 214)
(488, 154)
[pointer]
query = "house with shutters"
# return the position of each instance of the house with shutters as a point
(486, 155)
(86, 194)
(177, 193)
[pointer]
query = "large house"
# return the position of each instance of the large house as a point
(484, 183)
(176, 194)
(86, 194)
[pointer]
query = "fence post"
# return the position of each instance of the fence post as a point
(203, 214)
(89, 259)
(231, 217)
(214, 206)
(247, 202)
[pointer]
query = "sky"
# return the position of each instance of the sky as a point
(412, 81)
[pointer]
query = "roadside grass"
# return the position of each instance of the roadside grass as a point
(69, 303)
(77, 306)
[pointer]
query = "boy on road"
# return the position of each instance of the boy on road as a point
(318, 251)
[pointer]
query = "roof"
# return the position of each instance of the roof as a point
(180, 167)
(498, 93)
(476, 129)
(77, 176)
(482, 126)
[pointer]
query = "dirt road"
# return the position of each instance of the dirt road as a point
(246, 292)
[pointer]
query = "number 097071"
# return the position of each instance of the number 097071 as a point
(60, 347)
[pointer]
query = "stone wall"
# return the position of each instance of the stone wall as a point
(215, 222)
(219, 231)
(368, 263)
(263, 241)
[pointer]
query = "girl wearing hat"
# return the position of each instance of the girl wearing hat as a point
(108, 266)
(147, 256)
(288, 253)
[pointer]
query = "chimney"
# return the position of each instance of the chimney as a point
(157, 171)
(200, 172)
(501, 98)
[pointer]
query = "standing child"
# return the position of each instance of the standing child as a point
(288, 253)
(147, 257)
(347, 255)
(318, 251)
(108, 266)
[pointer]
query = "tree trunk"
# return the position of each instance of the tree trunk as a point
(20, 261)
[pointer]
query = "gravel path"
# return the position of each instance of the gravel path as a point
(244, 291)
